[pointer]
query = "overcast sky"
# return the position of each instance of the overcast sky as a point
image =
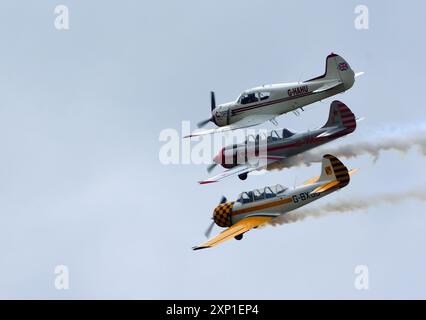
(81, 183)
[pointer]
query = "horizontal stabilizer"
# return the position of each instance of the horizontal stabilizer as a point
(353, 171)
(325, 187)
(316, 178)
(358, 74)
(311, 181)
(328, 85)
(331, 131)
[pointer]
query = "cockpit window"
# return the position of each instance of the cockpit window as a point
(264, 95)
(279, 189)
(261, 194)
(249, 98)
(269, 193)
(274, 136)
(258, 195)
(245, 197)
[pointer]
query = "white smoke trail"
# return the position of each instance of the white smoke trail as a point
(350, 205)
(397, 139)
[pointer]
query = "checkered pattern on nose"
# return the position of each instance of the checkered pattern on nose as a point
(222, 214)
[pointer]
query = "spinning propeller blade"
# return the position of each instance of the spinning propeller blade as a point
(223, 200)
(209, 230)
(212, 100)
(211, 167)
(213, 106)
(204, 122)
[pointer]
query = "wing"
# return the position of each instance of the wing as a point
(248, 121)
(243, 168)
(328, 85)
(240, 227)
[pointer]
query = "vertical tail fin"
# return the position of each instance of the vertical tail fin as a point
(340, 115)
(337, 68)
(334, 170)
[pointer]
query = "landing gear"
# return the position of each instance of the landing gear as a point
(239, 237)
(243, 176)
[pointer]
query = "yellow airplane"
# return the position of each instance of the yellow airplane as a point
(256, 207)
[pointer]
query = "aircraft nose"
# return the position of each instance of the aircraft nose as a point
(218, 158)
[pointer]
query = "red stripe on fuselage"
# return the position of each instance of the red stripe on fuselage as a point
(311, 141)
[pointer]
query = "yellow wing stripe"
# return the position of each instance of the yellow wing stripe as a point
(240, 227)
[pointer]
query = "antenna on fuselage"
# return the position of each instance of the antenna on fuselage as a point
(300, 77)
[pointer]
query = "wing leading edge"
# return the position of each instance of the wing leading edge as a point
(240, 227)
(248, 121)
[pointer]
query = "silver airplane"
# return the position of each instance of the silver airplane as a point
(260, 104)
(280, 146)
(257, 207)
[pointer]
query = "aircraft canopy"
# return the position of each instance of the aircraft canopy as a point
(261, 194)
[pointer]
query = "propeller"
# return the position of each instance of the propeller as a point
(204, 122)
(212, 100)
(213, 106)
(211, 167)
(209, 230)
(211, 225)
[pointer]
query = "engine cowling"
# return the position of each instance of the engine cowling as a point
(222, 214)
(229, 157)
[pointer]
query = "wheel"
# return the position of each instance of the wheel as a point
(239, 237)
(243, 176)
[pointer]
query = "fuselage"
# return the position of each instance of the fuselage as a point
(275, 99)
(282, 203)
(280, 146)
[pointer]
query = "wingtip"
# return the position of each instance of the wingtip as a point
(206, 182)
(199, 248)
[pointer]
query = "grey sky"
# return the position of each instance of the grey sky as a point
(80, 179)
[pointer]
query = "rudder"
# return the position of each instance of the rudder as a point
(334, 169)
(340, 115)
